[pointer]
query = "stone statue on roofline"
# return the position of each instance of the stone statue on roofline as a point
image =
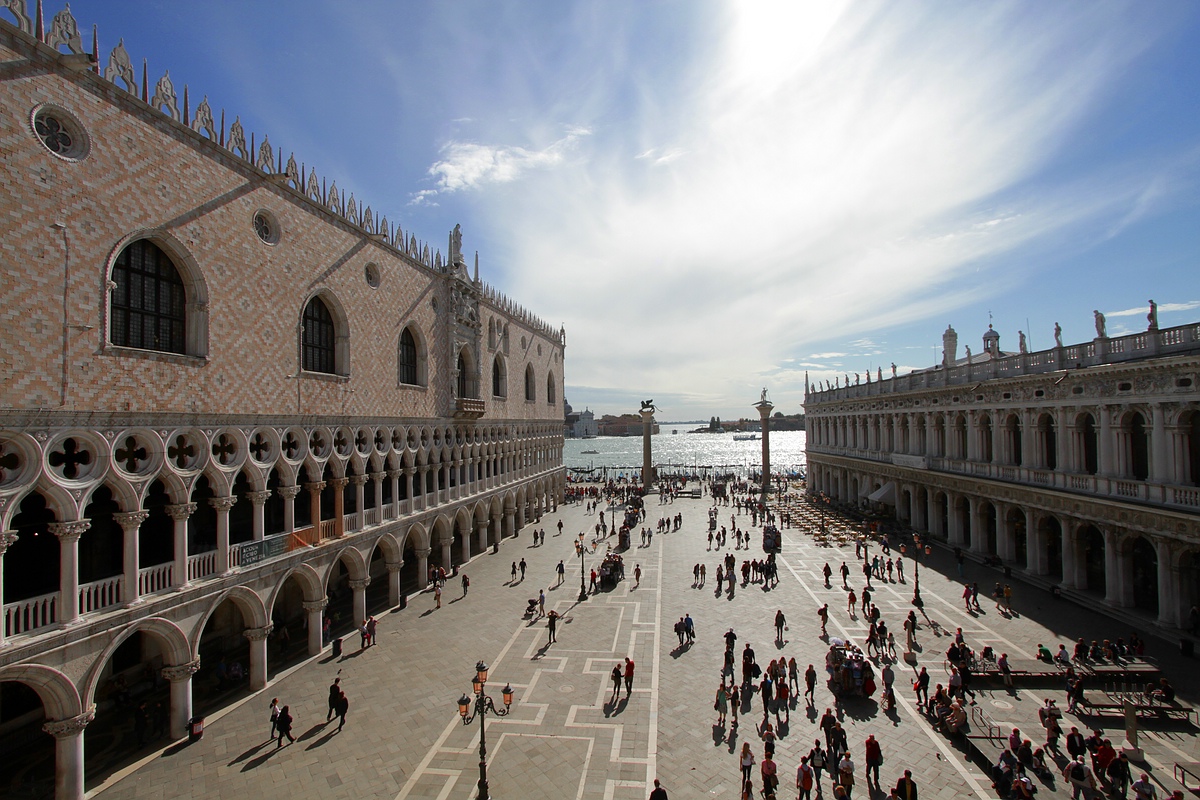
(1153, 316)
(879, 375)
(1024, 348)
(893, 369)
(1057, 335)
(1101, 325)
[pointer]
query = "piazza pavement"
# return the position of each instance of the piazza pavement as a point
(404, 740)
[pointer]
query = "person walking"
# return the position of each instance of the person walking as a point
(721, 704)
(466, 584)
(906, 787)
(922, 687)
(846, 773)
(523, 567)
(283, 724)
(437, 596)
(274, 717)
(616, 679)
(659, 793)
(541, 602)
(828, 573)
(637, 575)
(810, 684)
(372, 626)
(552, 625)
(514, 573)
(343, 707)
(818, 761)
(562, 573)
(1143, 789)
(746, 762)
(850, 602)
(828, 722)
(628, 676)
(823, 614)
(845, 574)
(874, 760)
(780, 624)
(804, 780)
(335, 690)
(689, 628)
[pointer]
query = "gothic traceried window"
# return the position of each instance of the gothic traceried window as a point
(408, 358)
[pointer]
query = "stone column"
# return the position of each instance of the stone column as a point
(288, 493)
(973, 435)
(314, 504)
(509, 521)
(978, 525)
(1170, 613)
(339, 506)
(180, 513)
(259, 501)
(420, 499)
(222, 506)
(422, 568)
(496, 533)
(447, 554)
(315, 608)
(955, 534)
(647, 415)
(1114, 572)
(7, 540)
(68, 534)
(765, 407)
(258, 654)
(181, 696)
(360, 496)
(1105, 443)
(1035, 547)
(1006, 540)
(359, 587)
(131, 522)
(393, 570)
(394, 476)
(1070, 555)
(1159, 445)
(465, 545)
(377, 490)
(68, 754)
(920, 500)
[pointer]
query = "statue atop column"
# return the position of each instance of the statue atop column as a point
(1057, 335)
(763, 397)
(1101, 325)
(455, 256)
(1153, 316)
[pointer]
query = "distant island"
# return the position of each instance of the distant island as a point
(779, 422)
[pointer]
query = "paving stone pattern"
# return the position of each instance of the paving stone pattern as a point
(565, 738)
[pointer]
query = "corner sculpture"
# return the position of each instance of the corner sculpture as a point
(648, 405)
(1101, 325)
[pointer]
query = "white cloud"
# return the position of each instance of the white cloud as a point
(467, 165)
(1163, 308)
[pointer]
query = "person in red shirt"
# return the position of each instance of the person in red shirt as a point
(874, 759)
(628, 676)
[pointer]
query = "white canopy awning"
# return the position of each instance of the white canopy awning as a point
(885, 494)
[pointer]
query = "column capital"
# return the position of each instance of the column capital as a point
(288, 492)
(316, 605)
(359, 583)
(258, 498)
(338, 483)
(72, 726)
(7, 540)
(258, 634)
(312, 488)
(396, 473)
(423, 552)
(394, 566)
(69, 531)
(180, 511)
(378, 476)
(357, 480)
(222, 503)
(181, 672)
(130, 520)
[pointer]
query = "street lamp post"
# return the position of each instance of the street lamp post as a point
(917, 549)
(483, 704)
(581, 549)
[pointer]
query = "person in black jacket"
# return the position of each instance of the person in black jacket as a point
(906, 788)
(284, 725)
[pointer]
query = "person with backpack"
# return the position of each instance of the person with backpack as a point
(818, 761)
(804, 780)
(1079, 775)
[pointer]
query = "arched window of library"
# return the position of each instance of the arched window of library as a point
(148, 308)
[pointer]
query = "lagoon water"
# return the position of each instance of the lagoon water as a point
(675, 452)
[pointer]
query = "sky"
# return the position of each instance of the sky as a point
(719, 197)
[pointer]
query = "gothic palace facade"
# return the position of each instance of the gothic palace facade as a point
(1079, 465)
(235, 402)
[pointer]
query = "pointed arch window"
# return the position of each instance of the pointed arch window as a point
(408, 358)
(530, 385)
(319, 346)
(551, 396)
(499, 378)
(149, 303)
